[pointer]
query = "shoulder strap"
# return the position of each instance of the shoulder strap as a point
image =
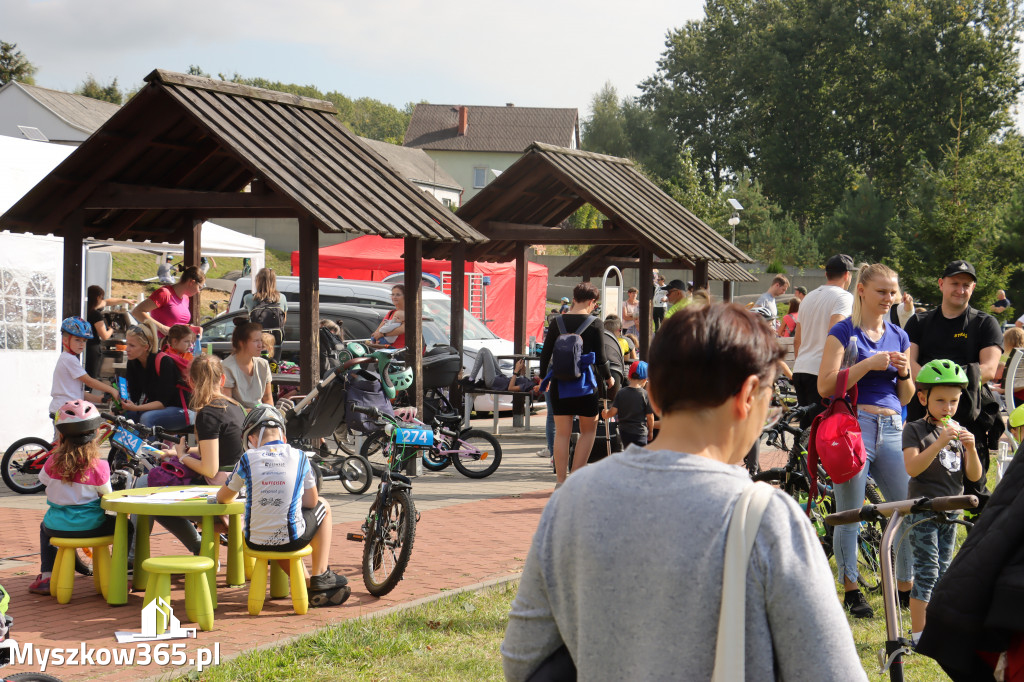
(158, 360)
(730, 658)
(561, 325)
(841, 381)
(586, 323)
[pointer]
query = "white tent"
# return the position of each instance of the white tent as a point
(217, 241)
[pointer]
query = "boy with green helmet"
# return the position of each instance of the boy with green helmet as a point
(937, 453)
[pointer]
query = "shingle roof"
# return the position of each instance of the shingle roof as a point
(78, 111)
(185, 140)
(490, 129)
(414, 164)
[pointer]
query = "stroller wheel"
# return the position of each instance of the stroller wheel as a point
(355, 474)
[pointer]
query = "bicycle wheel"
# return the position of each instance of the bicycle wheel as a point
(389, 545)
(869, 567)
(479, 454)
(376, 452)
(434, 460)
(22, 463)
(356, 474)
(30, 677)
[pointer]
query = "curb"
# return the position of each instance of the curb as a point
(397, 608)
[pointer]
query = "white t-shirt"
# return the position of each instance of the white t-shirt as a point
(274, 476)
(768, 301)
(660, 299)
(817, 309)
(251, 389)
(66, 386)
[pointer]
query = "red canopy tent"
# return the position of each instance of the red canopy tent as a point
(373, 258)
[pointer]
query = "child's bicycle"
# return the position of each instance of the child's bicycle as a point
(891, 657)
(390, 526)
(7, 646)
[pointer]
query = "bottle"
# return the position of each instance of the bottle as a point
(850, 356)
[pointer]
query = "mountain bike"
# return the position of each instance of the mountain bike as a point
(390, 526)
(891, 657)
(794, 480)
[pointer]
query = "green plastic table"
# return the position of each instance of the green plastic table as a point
(123, 504)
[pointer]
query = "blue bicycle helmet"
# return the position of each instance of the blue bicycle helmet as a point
(76, 326)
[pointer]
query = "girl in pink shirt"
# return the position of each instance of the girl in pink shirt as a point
(169, 305)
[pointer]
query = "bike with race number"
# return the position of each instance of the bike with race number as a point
(390, 526)
(891, 657)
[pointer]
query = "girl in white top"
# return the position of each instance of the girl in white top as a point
(247, 377)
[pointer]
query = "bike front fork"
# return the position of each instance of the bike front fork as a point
(891, 658)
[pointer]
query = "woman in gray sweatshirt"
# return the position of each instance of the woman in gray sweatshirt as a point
(626, 565)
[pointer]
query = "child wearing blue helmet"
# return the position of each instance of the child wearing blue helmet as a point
(632, 408)
(69, 376)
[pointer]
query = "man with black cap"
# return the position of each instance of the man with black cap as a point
(677, 300)
(956, 331)
(819, 311)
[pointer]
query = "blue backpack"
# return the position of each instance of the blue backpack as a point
(565, 359)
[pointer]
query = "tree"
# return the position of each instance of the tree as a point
(14, 66)
(860, 225)
(90, 87)
(604, 132)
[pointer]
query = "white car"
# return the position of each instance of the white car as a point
(378, 295)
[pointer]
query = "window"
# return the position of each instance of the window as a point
(28, 311)
(479, 177)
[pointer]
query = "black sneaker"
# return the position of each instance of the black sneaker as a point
(904, 598)
(327, 581)
(857, 605)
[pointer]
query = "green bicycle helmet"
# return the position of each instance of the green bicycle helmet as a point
(942, 373)
(401, 379)
(1017, 417)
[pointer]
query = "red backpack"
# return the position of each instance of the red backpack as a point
(184, 390)
(836, 439)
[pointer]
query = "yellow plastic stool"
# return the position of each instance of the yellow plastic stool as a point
(278, 578)
(62, 582)
(198, 602)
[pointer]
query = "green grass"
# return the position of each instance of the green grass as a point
(140, 266)
(454, 639)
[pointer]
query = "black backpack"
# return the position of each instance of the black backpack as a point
(565, 359)
(267, 314)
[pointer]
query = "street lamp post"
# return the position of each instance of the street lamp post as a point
(734, 220)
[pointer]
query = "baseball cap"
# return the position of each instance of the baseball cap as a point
(638, 370)
(676, 284)
(801, 290)
(960, 267)
(840, 263)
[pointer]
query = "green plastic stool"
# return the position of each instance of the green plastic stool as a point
(198, 602)
(278, 578)
(62, 580)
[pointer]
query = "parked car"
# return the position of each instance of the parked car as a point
(356, 321)
(377, 296)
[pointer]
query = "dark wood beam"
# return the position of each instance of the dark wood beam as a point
(540, 234)
(73, 266)
(519, 340)
(113, 195)
(700, 274)
(458, 294)
(193, 251)
(727, 291)
(414, 325)
(646, 287)
(309, 313)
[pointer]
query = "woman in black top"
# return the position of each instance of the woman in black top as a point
(218, 423)
(96, 301)
(155, 398)
(586, 407)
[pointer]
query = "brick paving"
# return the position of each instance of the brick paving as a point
(470, 531)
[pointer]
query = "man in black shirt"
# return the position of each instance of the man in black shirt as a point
(955, 331)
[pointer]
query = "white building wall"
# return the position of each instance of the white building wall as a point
(18, 108)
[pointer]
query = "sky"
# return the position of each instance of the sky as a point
(541, 53)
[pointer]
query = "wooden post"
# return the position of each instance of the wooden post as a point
(519, 336)
(414, 325)
(193, 251)
(309, 314)
(458, 331)
(700, 274)
(727, 291)
(73, 245)
(646, 287)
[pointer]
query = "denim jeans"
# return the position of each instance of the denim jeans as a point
(168, 417)
(883, 440)
(932, 545)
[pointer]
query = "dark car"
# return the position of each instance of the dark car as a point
(357, 323)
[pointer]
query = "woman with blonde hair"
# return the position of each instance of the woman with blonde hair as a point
(154, 395)
(265, 300)
(880, 369)
(218, 423)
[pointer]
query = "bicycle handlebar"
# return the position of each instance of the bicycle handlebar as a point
(915, 506)
(147, 432)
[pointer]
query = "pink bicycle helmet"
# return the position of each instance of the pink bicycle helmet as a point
(77, 421)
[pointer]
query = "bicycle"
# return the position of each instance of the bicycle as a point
(7, 646)
(390, 526)
(130, 455)
(891, 657)
(474, 452)
(794, 480)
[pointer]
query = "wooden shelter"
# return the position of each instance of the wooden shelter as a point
(187, 149)
(529, 201)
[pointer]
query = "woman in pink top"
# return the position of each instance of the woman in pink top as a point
(168, 305)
